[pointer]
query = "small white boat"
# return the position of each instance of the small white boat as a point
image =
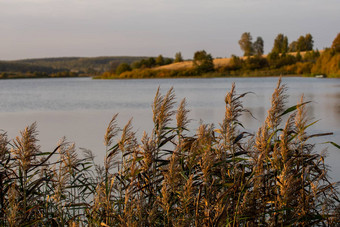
(320, 76)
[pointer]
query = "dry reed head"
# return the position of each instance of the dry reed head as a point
(25, 148)
(128, 139)
(165, 199)
(147, 150)
(229, 128)
(284, 165)
(111, 131)
(69, 158)
(301, 120)
(278, 101)
(261, 142)
(12, 210)
(187, 196)
(182, 116)
(162, 110)
(204, 142)
(156, 105)
(287, 134)
(172, 172)
(3, 145)
(234, 106)
(186, 203)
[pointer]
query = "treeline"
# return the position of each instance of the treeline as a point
(273, 64)
(304, 43)
(12, 66)
(287, 58)
(84, 65)
(202, 62)
(295, 58)
(62, 67)
(142, 66)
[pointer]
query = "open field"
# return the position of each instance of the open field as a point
(189, 64)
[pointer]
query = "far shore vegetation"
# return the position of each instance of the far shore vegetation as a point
(62, 67)
(218, 175)
(296, 58)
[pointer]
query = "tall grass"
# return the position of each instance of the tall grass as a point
(220, 176)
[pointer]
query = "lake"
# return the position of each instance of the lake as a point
(81, 108)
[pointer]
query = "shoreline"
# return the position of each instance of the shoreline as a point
(204, 76)
(207, 76)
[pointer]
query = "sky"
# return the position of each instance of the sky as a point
(89, 28)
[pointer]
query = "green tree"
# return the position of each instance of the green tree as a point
(258, 46)
(256, 62)
(160, 60)
(280, 44)
(235, 63)
(168, 61)
(203, 62)
(145, 63)
(178, 57)
(336, 43)
(292, 46)
(305, 43)
(136, 64)
(298, 56)
(301, 44)
(123, 67)
(309, 42)
(150, 62)
(273, 58)
(246, 44)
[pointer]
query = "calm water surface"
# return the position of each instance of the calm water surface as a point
(80, 108)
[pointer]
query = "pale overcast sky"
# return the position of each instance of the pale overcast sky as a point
(58, 28)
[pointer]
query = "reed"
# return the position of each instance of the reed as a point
(217, 176)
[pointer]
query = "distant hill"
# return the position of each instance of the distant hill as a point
(81, 65)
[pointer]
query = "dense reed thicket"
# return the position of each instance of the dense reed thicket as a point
(220, 176)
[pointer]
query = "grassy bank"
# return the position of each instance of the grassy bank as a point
(309, 63)
(216, 176)
(192, 73)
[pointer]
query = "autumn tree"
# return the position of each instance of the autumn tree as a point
(246, 44)
(258, 46)
(336, 43)
(280, 44)
(311, 56)
(203, 62)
